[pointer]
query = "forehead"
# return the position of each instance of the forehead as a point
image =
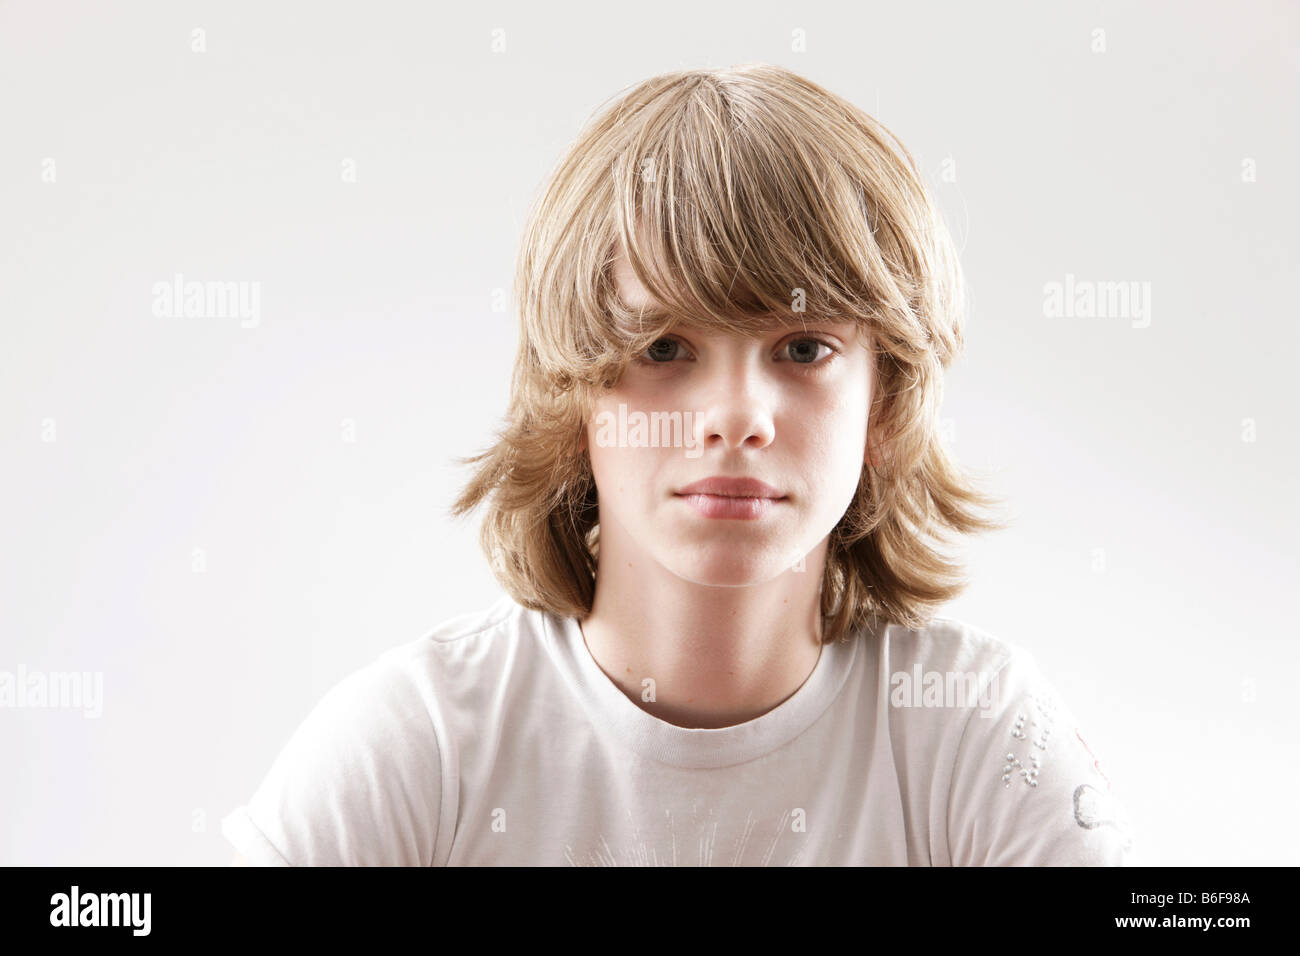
(635, 296)
(630, 289)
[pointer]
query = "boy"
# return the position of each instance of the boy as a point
(716, 511)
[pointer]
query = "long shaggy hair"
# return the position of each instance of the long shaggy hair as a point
(744, 198)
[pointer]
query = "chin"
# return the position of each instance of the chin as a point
(728, 567)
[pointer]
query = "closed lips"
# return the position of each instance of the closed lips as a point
(732, 488)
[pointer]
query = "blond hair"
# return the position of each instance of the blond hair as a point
(731, 191)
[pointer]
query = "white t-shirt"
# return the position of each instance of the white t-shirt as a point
(497, 740)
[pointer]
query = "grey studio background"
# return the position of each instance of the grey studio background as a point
(222, 516)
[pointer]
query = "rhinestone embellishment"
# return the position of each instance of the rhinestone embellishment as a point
(1040, 728)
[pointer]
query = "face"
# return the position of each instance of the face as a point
(788, 408)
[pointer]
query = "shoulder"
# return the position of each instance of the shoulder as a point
(937, 681)
(434, 664)
(368, 777)
(398, 680)
(1024, 787)
(451, 664)
(949, 649)
(503, 615)
(503, 619)
(417, 686)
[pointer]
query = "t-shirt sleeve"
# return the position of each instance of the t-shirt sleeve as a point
(1026, 787)
(357, 784)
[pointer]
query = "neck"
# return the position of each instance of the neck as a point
(717, 656)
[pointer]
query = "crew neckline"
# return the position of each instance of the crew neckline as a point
(695, 747)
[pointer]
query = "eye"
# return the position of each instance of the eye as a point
(804, 351)
(661, 352)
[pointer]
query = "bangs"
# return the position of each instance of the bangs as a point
(742, 201)
(735, 215)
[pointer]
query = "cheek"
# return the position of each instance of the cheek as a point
(604, 461)
(622, 474)
(602, 434)
(834, 443)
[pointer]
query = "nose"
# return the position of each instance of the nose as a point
(736, 411)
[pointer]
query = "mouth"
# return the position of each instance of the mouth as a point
(735, 498)
(721, 486)
(731, 506)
